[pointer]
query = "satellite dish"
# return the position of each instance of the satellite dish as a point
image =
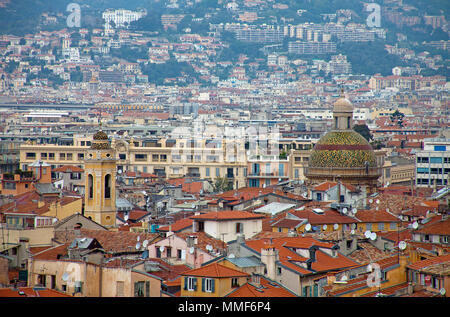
(402, 245)
(209, 247)
(387, 209)
(378, 201)
(161, 248)
(324, 227)
(125, 217)
(231, 256)
(335, 226)
(367, 234)
(308, 227)
(344, 278)
(352, 232)
(65, 277)
(354, 211)
(353, 226)
(191, 250)
(370, 200)
(442, 291)
(344, 210)
(138, 246)
(415, 225)
(138, 238)
(119, 171)
(145, 243)
(373, 236)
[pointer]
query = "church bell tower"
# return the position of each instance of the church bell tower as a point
(100, 181)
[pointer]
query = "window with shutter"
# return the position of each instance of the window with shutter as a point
(147, 289)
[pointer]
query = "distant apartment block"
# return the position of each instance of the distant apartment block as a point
(311, 48)
(121, 17)
(260, 35)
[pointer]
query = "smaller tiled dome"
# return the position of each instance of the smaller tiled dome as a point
(100, 135)
(342, 105)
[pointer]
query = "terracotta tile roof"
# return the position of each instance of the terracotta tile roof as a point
(215, 270)
(288, 257)
(327, 185)
(389, 291)
(247, 193)
(111, 241)
(374, 215)
(177, 225)
(31, 292)
(442, 262)
(53, 253)
(264, 289)
(187, 186)
(441, 227)
(68, 169)
(28, 203)
(169, 273)
(203, 240)
(227, 215)
(368, 253)
(329, 216)
(287, 223)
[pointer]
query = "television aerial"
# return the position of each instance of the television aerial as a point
(308, 227)
(402, 245)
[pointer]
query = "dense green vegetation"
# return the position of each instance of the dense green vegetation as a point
(370, 58)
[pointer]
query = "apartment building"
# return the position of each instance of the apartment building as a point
(433, 163)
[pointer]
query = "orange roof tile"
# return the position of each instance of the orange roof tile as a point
(227, 215)
(420, 265)
(266, 289)
(178, 225)
(215, 270)
(31, 292)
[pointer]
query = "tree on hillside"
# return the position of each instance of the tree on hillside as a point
(364, 130)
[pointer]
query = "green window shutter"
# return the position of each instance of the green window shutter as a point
(195, 283)
(203, 284)
(185, 283)
(147, 288)
(213, 285)
(316, 290)
(136, 289)
(304, 291)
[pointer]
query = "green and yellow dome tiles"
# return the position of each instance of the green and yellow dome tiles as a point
(342, 149)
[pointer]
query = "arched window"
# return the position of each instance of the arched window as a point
(90, 186)
(108, 186)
